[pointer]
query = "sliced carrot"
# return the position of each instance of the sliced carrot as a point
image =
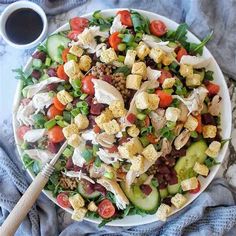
(212, 88)
(199, 126)
(64, 54)
(58, 105)
(96, 129)
(165, 99)
(61, 73)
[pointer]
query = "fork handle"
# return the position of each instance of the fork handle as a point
(21, 209)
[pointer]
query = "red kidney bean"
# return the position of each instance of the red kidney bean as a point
(69, 164)
(208, 119)
(97, 108)
(177, 153)
(76, 168)
(167, 201)
(100, 189)
(51, 87)
(146, 189)
(89, 100)
(36, 74)
(91, 119)
(151, 63)
(107, 78)
(52, 72)
(53, 148)
(88, 187)
(163, 169)
(39, 55)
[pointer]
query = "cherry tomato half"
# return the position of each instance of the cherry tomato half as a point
(180, 53)
(164, 75)
(22, 130)
(158, 28)
(72, 35)
(125, 18)
(131, 118)
(55, 134)
(212, 88)
(87, 84)
(165, 99)
(197, 189)
(63, 200)
(79, 23)
(106, 209)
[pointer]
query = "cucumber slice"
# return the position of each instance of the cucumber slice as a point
(173, 188)
(148, 203)
(81, 189)
(195, 153)
(53, 43)
(163, 193)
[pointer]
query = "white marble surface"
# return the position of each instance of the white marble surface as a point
(11, 58)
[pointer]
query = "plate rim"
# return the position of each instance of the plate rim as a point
(215, 169)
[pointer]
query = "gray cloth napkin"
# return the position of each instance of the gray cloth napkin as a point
(214, 212)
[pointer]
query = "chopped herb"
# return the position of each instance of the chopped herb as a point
(170, 125)
(87, 155)
(175, 103)
(42, 48)
(209, 75)
(124, 69)
(110, 196)
(154, 182)
(146, 130)
(24, 76)
(167, 133)
(151, 90)
(28, 162)
(180, 89)
(209, 162)
(99, 20)
(104, 222)
(194, 134)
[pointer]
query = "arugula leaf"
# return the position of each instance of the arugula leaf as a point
(104, 222)
(181, 32)
(110, 196)
(99, 20)
(124, 69)
(224, 141)
(140, 23)
(198, 48)
(24, 76)
(209, 162)
(180, 89)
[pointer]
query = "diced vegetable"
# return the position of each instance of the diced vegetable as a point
(55, 134)
(106, 209)
(115, 40)
(158, 28)
(125, 17)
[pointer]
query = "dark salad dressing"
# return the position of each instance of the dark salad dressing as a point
(23, 26)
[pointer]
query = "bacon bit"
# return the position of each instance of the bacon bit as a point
(146, 189)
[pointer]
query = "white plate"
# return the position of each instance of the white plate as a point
(226, 120)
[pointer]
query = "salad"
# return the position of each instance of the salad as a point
(138, 108)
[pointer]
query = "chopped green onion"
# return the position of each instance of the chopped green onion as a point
(151, 90)
(57, 117)
(76, 84)
(121, 46)
(194, 134)
(48, 61)
(169, 91)
(83, 96)
(95, 149)
(138, 36)
(97, 162)
(144, 141)
(121, 36)
(60, 87)
(87, 155)
(51, 94)
(159, 66)
(133, 44)
(141, 116)
(49, 124)
(81, 104)
(67, 152)
(121, 58)
(71, 57)
(174, 67)
(128, 38)
(43, 77)
(109, 175)
(146, 130)
(37, 63)
(62, 123)
(75, 112)
(39, 120)
(76, 93)
(170, 124)
(172, 44)
(67, 116)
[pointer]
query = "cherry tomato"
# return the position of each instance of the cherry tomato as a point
(64, 54)
(73, 35)
(212, 88)
(63, 200)
(152, 138)
(59, 106)
(125, 18)
(158, 28)
(197, 189)
(113, 149)
(55, 134)
(61, 73)
(87, 84)
(79, 24)
(22, 130)
(114, 40)
(53, 111)
(180, 53)
(106, 209)
(131, 118)
(165, 99)
(164, 75)
(96, 129)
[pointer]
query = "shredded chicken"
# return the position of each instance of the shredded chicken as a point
(215, 106)
(117, 25)
(153, 74)
(114, 187)
(107, 157)
(194, 101)
(41, 101)
(78, 174)
(24, 114)
(182, 139)
(39, 155)
(158, 119)
(166, 147)
(105, 140)
(34, 135)
(77, 158)
(98, 172)
(196, 61)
